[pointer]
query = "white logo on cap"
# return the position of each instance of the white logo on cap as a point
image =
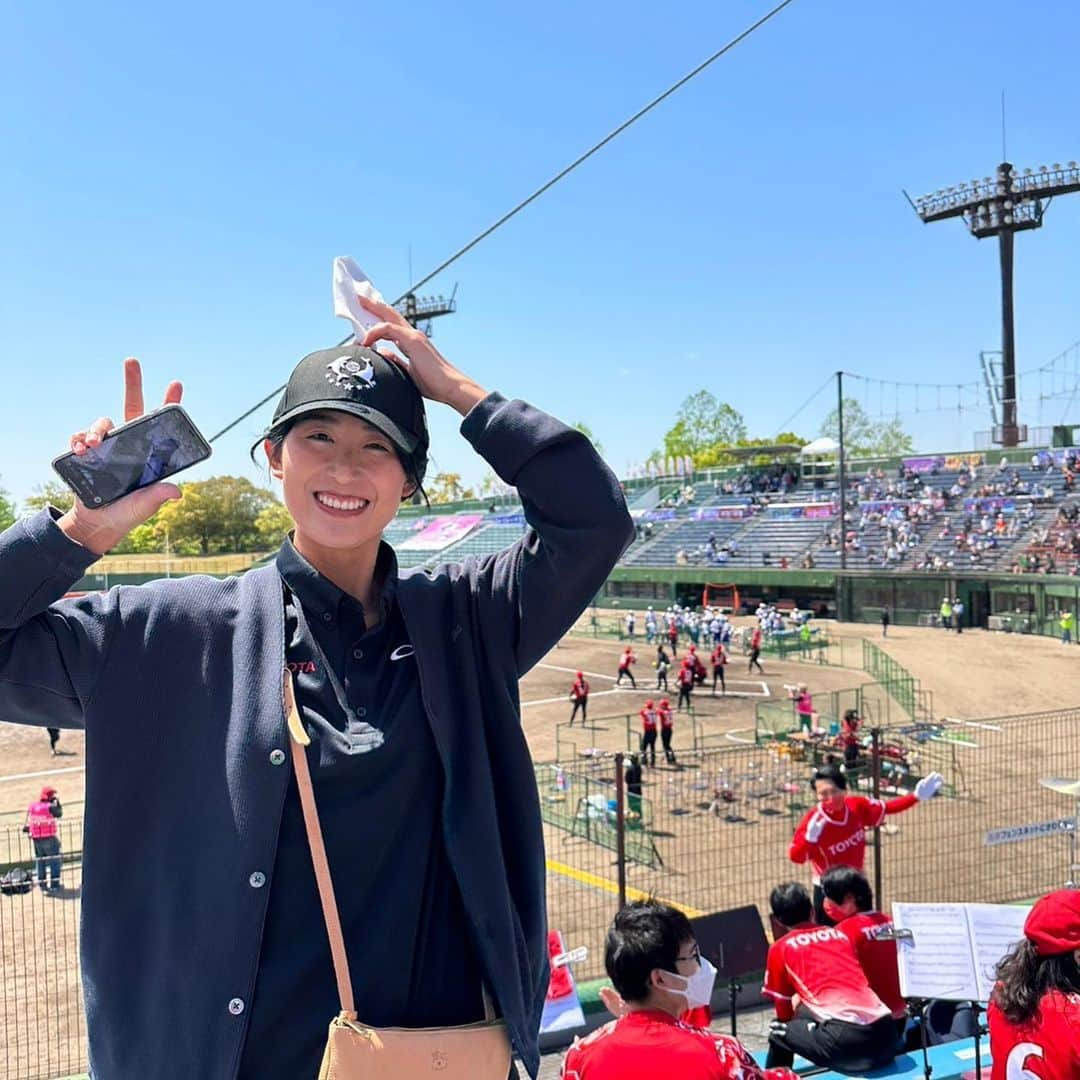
(350, 373)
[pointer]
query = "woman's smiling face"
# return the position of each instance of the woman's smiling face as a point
(342, 479)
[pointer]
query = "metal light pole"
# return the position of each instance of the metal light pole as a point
(841, 473)
(1002, 205)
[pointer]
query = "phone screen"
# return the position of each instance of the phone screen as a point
(149, 449)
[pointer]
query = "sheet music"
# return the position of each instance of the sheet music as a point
(939, 962)
(995, 929)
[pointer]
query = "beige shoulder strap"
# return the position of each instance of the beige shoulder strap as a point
(298, 739)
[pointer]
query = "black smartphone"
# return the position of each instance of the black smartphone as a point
(151, 448)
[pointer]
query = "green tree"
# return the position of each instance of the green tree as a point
(7, 510)
(51, 493)
(273, 524)
(447, 488)
(701, 423)
(216, 515)
(491, 486)
(863, 437)
(587, 432)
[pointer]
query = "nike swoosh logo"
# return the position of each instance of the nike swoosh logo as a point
(401, 652)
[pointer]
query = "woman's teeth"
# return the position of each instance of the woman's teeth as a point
(336, 502)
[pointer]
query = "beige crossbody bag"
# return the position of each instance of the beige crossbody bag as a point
(354, 1050)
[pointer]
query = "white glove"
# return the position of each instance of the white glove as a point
(815, 827)
(929, 786)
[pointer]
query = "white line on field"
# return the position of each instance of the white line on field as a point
(47, 772)
(566, 699)
(574, 671)
(734, 735)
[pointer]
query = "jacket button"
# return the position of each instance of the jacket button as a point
(236, 1006)
(257, 880)
(277, 757)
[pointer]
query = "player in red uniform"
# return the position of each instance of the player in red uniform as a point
(685, 679)
(579, 695)
(1034, 1012)
(719, 662)
(667, 730)
(755, 651)
(849, 736)
(626, 662)
(834, 833)
(849, 903)
(697, 666)
(840, 1023)
(653, 960)
(648, 733)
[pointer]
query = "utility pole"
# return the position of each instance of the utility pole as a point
(1003, 205)
(840, 466)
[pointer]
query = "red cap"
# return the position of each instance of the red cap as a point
(665, 703)
(47, 793)
(649, 704)
(1053, 924)
(581, 674)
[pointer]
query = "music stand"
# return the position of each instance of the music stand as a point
(734, 941)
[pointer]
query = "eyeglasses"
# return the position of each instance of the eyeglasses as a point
(694, 956)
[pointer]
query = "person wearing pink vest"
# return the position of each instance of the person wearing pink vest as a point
(41, 824)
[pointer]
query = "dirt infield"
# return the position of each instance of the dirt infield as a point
(707, 858)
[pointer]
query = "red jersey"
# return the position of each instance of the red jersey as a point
(849, 731)
(719, 656)
(686, 675)
(843, 841)
(1046, 1048)
(819, 964)
(626, 660)
(580, 690)
(652, 1045)
(666, 719)
(648, 719)
(876, 958)
(755, 640)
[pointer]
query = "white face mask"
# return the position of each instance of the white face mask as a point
(699, 986)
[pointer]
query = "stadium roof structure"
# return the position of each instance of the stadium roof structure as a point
(744, 453)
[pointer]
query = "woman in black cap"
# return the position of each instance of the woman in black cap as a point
(220, 958)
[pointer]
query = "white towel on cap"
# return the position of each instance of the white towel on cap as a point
(348, 280)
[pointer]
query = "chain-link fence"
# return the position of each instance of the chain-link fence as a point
(41, 1012)
(722, 821)
(708, 834)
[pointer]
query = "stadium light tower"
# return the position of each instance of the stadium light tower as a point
(1001, 206)
(419, 311)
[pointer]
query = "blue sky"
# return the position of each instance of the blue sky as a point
(178, 179)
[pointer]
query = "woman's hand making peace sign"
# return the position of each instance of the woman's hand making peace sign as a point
(100, 530)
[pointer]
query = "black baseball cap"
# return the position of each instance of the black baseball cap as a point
(363, 383)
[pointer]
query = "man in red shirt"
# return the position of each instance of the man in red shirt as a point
(653, 960)
(579, 695)
(685, 679)
(755, 651)
(626, 662)
(1034, 1011)
(648, 733)
(667, 729)
(849, 903)
(719, 661)
(834, 833)
(839, 1021)
(849, 736)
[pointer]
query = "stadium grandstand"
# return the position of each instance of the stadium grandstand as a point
(999, 530)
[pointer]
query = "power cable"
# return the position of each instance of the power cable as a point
(552, 182)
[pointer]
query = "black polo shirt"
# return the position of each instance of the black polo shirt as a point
(379, 789)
